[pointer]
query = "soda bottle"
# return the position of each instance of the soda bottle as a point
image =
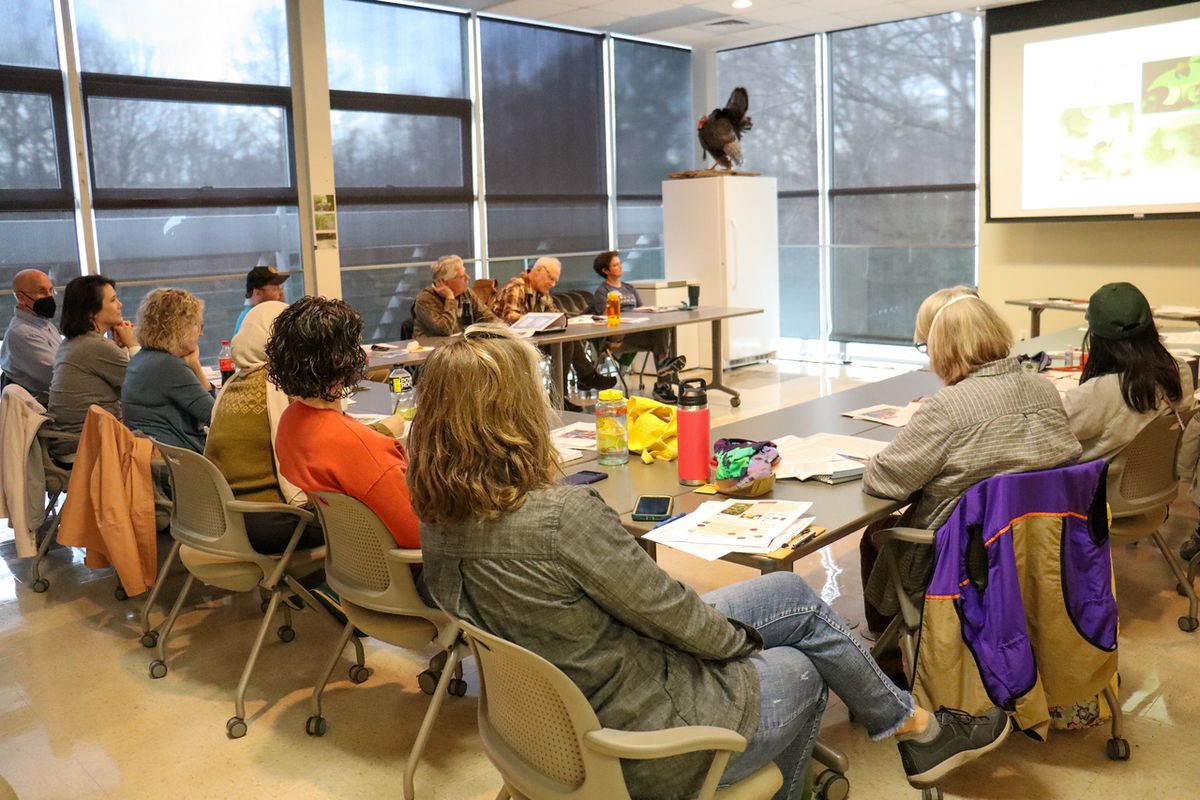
(612, 309)
(404, 394)
(225, 361)
(694, 442)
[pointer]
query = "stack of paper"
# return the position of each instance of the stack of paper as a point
(895, 416)
(566, 455)
(718, 528)
(824, 456)
(576, 436)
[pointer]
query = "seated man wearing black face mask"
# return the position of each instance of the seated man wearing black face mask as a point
(27, 354)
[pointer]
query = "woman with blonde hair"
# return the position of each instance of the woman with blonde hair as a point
(990, 418)
(166, 394)
(550, 567)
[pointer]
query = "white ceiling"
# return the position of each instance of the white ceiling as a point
(690, 22)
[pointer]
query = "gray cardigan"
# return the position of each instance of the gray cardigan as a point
(163, 399)
(88, 369)
(561, 577)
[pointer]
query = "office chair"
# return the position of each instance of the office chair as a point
(374, 581)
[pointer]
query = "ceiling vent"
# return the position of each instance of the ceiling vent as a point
(728, 22)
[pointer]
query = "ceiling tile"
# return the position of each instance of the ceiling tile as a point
(530, 9)
(636, 8)
(586, 18)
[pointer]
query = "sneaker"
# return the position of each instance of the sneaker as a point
(671, 367)
(962, 738)
(597, 381)
(569, 406)
(1189, 549)
(663, 393)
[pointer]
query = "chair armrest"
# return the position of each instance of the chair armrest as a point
(406, 555)
(914, 535)
(247, 507)
(664, 743)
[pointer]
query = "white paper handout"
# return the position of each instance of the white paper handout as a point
(895, 416)
(576, 436)
(680, 534)
(566, 454)
(818, 455)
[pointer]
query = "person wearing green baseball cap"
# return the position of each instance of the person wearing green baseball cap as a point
(1129, 378)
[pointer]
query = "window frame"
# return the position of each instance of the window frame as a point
(47, 83)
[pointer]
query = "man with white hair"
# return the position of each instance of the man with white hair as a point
(31, 341)
(447, 307)
(529, 293)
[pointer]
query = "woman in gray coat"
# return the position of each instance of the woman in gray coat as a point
(550, 568)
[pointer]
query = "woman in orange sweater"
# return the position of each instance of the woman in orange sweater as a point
(315, 355)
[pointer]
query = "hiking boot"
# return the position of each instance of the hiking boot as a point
(664, 393)
(962, 738)
(671, 367)
(1189, 549)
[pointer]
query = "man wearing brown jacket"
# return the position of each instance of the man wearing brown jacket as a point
(448, 307)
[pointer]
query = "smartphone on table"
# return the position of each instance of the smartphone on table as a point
(653, 508)
(585, 476)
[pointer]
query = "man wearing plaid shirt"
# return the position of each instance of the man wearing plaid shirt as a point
(528, 293)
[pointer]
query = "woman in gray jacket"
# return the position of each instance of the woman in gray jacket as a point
(550, 568)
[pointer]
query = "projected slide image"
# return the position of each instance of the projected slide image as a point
(1097, 142)
(1172, 85)
(1173, 145)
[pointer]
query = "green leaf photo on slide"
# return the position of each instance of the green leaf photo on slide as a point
(1096, 142)
(1171, 85)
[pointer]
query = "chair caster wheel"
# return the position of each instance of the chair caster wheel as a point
(40, 585)
(831, 785)
(934, 793)
(315, 726)
(359, 673)
(428, 681)
(149, 639)
(457, 687)
(286, 633)
(1188, 624)
(158, 669)
(1117, 749)
(120, 594)
(235, 728)
(735, 401)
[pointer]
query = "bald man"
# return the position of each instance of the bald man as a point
(27, 354)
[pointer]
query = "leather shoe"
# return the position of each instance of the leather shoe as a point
(597, 381)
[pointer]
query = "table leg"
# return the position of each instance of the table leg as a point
(650, 547)
(556, 375)
(718, 359)
(1035, 321)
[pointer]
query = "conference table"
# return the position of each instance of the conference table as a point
(1036, 307)
(839, 509)
(399, 353)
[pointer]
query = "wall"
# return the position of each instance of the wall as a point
(1072, 259)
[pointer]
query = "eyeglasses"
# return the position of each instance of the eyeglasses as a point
(922, 347)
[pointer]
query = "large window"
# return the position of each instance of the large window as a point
(188, 116)
(37, 220)
(781, 80)
(401, 124)
(903, 188)
(544, 153)
(652, 91)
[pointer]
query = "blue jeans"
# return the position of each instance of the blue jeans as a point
(807, 650)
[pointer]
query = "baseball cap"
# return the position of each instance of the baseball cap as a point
(263, 276)
(1118, 311)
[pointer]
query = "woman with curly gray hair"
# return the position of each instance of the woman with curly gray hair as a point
(315, 356)
(166, 394)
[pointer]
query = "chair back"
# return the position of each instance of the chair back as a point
(408, 326)
(532, 719)
(1144, 475)
(357, 561)
(485, 291)
(199, 517)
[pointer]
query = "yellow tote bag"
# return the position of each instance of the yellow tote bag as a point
(652, 430)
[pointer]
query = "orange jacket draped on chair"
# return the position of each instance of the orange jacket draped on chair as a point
(110, 502)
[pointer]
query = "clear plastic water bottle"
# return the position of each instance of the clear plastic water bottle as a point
(225, 361)
(404, 394)
(612, 430)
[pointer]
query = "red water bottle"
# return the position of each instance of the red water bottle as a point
(225, 361)
(695, 444)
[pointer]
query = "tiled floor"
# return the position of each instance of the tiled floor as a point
(80, 718)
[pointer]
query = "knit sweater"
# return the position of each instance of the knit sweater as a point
(324, 450)
(239, 440)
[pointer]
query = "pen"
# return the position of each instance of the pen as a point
(670, 519)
